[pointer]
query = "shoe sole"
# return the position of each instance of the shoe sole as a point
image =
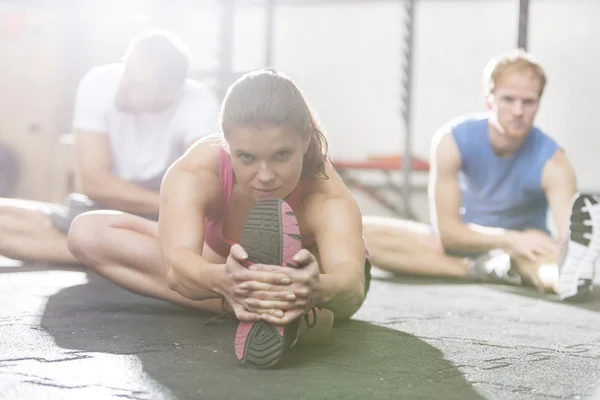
(271, 236)
(576, 271)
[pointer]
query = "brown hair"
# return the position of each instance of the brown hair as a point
(268, 98)
(514, 60)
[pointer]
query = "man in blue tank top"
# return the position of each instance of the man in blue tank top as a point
(494, 177)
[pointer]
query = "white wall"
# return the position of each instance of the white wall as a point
(345, 58)
(348, 61)
(565, 36)
(455, 39)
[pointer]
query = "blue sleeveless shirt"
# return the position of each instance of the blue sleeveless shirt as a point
(502, 192)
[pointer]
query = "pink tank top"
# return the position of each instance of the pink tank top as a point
(213, 223)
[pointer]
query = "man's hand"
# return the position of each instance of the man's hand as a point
(297, 297)
(531, 244)
(239, 281)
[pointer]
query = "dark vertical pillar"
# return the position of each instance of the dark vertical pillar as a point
(407, 105)
(523, 24)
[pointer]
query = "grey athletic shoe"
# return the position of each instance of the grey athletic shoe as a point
(494, 267)
(577, 264)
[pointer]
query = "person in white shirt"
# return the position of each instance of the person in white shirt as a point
(132, 120)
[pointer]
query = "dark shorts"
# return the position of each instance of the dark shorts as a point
(341, 320)
(367, 276)
(464, 254)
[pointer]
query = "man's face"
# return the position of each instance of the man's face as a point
(140, 89)
(515, 103)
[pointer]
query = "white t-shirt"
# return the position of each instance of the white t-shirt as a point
(143, 145)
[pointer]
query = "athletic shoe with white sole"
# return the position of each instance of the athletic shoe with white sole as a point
(494, 267)
(271, 236)
(576, 267)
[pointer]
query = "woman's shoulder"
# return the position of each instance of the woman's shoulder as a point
(196, 175)
(323, 188)
(203, 156)
(200, 164)
(325, 199)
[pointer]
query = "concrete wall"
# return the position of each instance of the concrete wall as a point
(348, 59)
(565, 36)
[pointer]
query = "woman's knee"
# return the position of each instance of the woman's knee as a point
(91, 234)
(85, 236)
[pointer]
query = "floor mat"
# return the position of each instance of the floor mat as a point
(66, 333)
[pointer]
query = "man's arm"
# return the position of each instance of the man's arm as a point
(94, 169)
(560, 185)
(445, 202)
(337, 225)
(92, 149)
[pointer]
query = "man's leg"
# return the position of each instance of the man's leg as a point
(28, 234)
(545, 274)
(409, 247)
(124, 249)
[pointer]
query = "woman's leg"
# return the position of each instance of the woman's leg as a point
(124, 249)
(317, 327)
(319, 330)
(409, 247)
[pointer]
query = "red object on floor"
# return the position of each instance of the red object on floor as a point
(385, 163)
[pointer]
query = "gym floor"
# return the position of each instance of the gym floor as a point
(66, 333)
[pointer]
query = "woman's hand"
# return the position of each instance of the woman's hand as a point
(300, 295)
(236, 285)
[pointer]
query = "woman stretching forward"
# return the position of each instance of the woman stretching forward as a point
(254, 221)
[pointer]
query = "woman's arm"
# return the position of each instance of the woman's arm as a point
(191, 188)
(333, 277)
(188, 189)
(337, 225)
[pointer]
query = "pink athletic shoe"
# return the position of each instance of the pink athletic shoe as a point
(271, 236)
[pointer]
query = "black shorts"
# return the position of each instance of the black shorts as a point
(341, 320)
(465, 254)
(367, 276)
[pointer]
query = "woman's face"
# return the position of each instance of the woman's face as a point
(267, 162)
